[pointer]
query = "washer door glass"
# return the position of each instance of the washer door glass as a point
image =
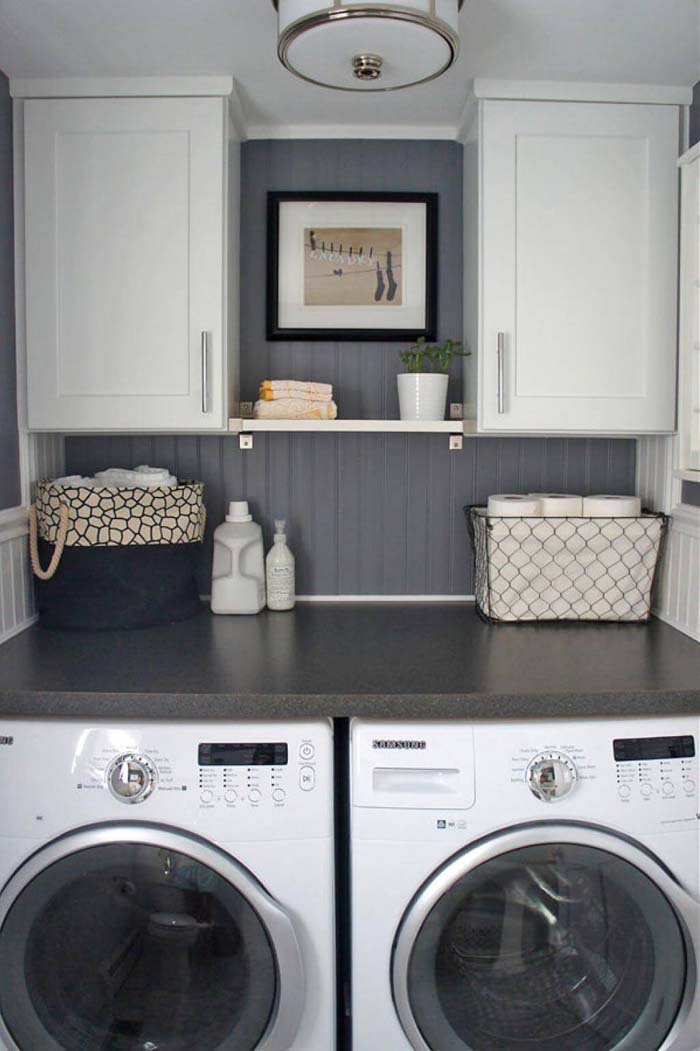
(129, 947)
(548, 947)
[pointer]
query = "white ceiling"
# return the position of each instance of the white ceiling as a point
(610, 41)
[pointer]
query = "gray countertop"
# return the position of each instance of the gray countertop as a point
(409, 660)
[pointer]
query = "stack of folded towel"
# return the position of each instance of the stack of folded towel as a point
(295, 400)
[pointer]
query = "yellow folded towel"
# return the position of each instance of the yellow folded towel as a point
(295, 409)
(287, 393)
(271, 390)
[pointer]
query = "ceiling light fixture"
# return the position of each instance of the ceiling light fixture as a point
(367, 46)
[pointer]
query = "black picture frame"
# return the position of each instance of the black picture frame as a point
(276, 330)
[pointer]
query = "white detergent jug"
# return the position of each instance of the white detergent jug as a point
(238, 571)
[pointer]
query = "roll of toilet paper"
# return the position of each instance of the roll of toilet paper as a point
(559, 505)
(611, 506)
(513, 505)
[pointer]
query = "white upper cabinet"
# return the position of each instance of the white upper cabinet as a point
(577, 266)
(689, 327)
(125, 263)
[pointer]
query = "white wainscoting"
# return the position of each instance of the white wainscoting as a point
(42, 457)
(678, 594)
(16, 590)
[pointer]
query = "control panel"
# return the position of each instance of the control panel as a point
(637, 775)
(255, 773)
(228, 781)
(652, 769)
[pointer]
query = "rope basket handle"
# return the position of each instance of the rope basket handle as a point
(64, 518)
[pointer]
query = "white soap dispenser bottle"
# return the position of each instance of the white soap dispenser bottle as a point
(238, 572)
(280, 571)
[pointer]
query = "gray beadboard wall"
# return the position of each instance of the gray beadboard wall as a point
(363, 374)
(369, 514)
(9, 439)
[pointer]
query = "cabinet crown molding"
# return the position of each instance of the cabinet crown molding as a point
(570, 91)
(119, 87)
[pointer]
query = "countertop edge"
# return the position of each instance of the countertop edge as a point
(416, 706)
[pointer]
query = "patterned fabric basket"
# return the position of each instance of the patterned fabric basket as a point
(595, 569)
(113, 516)
(117, 557)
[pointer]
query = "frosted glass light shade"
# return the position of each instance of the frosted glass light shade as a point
(368, 46)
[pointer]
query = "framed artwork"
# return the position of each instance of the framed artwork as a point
(351, 266)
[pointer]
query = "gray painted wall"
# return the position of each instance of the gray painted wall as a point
(363, 374)
(369, 514)
(9, 441)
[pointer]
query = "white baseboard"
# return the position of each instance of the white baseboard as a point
(385, 598)
(18, 628)
(375, 598)
(679, 625)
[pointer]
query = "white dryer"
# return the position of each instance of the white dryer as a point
(166, 887)
(525, 887)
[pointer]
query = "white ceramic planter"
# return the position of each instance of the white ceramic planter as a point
(422, 395)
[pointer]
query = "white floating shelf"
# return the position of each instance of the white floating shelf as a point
(358, 426)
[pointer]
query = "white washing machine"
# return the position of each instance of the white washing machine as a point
(525, 887)
(166, 887)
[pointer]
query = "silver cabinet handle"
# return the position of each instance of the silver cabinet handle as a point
(501, 372)
(205, 373)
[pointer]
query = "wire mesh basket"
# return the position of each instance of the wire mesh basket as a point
(598, 569)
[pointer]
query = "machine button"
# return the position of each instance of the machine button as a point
(307, 778)
(689, 787)
(551, 776)
(131, 778)
(668, 788)
(307, 751)
(624, 791)
(646, 791)
(231, 795)
(279, 795)
(206, 796)
(255, 795)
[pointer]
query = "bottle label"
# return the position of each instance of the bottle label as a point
(280, 583)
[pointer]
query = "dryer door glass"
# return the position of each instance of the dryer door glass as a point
(556, 947)
(129, 947)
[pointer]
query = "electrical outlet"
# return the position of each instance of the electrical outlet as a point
(456, 410)
(245, 441)
(456, 442)
(246, 410)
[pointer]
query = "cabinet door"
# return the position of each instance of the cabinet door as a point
(124, 210)
(578, 266)
(689, 328)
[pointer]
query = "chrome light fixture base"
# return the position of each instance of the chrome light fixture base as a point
(370, 67)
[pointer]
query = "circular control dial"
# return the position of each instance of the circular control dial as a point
(551, 776)
(131, 778)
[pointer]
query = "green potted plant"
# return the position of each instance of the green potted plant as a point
(423, 386)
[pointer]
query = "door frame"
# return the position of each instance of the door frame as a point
(686, 909)
(287, 1013)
